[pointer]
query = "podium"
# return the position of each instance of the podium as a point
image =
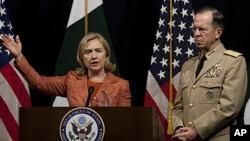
(121, 123)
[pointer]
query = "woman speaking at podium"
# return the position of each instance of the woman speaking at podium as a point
(92, 84)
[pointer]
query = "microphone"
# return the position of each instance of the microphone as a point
(90, 91)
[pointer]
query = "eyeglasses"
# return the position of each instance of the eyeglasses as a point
(200, 29)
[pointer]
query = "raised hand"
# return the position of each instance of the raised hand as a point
(15, 47)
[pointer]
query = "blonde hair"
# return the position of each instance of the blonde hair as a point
(109, 67)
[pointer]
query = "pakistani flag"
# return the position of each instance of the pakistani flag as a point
(85, 14)
(247, 105)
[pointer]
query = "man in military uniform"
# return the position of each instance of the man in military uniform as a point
(209, 97)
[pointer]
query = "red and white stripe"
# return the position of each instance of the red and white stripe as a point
(14, 93)
(158, 97)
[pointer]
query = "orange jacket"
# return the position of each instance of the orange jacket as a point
(74, 86)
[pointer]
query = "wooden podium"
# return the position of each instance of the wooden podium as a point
(121, 123)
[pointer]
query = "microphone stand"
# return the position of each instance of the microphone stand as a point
(90, 91)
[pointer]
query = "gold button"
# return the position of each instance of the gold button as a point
(190, 123)
(191, 105)
(194, 86)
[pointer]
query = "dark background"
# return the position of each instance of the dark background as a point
(132, 23)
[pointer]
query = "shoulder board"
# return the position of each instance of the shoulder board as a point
(191, 57)
(232, 53)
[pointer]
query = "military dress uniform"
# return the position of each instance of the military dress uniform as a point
(211, 101)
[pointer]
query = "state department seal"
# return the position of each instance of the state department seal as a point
(82, 124)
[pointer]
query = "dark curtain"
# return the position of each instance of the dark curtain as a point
(132, 23)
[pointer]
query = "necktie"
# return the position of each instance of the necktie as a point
(203, 58)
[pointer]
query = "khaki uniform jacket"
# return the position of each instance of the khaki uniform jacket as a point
(212, 101)
(74, 86)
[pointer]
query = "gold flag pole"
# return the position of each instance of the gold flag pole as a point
(170, 130)
(86, 16)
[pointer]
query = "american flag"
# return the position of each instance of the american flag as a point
(173, 45)
(14, 91)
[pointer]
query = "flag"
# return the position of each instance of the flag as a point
(246, 117)
(173, 45)
(75, 32)
(14, 91)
